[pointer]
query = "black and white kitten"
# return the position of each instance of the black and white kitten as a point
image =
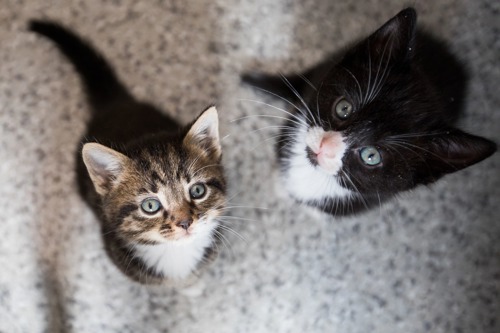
(157, 187)
(374, 122)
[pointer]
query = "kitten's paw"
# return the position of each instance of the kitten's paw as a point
(194, 290)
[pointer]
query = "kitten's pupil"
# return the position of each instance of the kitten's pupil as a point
(343, 109)
(370, 155)
(150, 206)
(197, 191)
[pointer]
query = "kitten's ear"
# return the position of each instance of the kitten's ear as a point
(104, 165)
(396, 38)
(205, 132)
(453, 151)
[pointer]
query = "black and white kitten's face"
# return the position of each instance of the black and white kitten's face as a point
(373, 126)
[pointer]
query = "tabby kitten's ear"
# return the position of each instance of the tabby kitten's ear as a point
(204, 133)
(395, 39)
(104, 165)
(453, 151)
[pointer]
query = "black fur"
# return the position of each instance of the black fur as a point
(409, 119)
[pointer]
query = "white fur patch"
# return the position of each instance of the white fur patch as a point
(177, 259)
(307, 182)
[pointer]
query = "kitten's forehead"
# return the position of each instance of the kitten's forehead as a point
(380, 98)
(172, 166)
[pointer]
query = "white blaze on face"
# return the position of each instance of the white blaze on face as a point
(308, 182)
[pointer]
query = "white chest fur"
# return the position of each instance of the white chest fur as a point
(177, 259)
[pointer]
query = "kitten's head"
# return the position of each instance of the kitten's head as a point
(376, 126)
(161, 188)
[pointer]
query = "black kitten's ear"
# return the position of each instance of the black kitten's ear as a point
(204, 132)
(104, 165)
(453, 151)
(396, 38)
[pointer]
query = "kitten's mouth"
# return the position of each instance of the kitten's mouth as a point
(312, 156)
(177, 234)
(184, 234)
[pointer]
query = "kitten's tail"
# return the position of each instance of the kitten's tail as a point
(100, 80)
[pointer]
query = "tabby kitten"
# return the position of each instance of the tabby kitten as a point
(157, 188)
(375, 122)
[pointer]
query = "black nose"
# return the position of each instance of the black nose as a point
(184, 224)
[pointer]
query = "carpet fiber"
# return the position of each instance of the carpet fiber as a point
(427, 262)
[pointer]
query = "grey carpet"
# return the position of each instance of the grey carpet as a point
(428, 262)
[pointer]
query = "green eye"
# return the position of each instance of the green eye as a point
(370, 155)
(197, 191)
(343, 109)
(150, 206)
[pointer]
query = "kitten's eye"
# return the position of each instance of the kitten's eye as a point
(150, 206)
(197, 191)
(343, 109)
(370, 155)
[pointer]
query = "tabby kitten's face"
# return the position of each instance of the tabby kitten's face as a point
(161, 190)
(374, 126)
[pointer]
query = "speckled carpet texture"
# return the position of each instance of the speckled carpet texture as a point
(427, 262)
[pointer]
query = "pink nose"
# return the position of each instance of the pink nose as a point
(184, 224)
(330, 145)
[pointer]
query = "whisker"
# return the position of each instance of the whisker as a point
(193, 162)
(296, 93)
(238, 219)
(268, 116)
(317, 105)
(306, 80)
(224, 206)
(232, 231)
(384, 75)
(283, 128)
(247, 207)
(379, 203)
(223, 240)
(348, 177)
(414, 135)
(356, 81)
(288, 113)
(369, 72)
(204, 167)
(265, 141)
(413, 148)
(376, 83)
(403, 158)
(280, 97)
